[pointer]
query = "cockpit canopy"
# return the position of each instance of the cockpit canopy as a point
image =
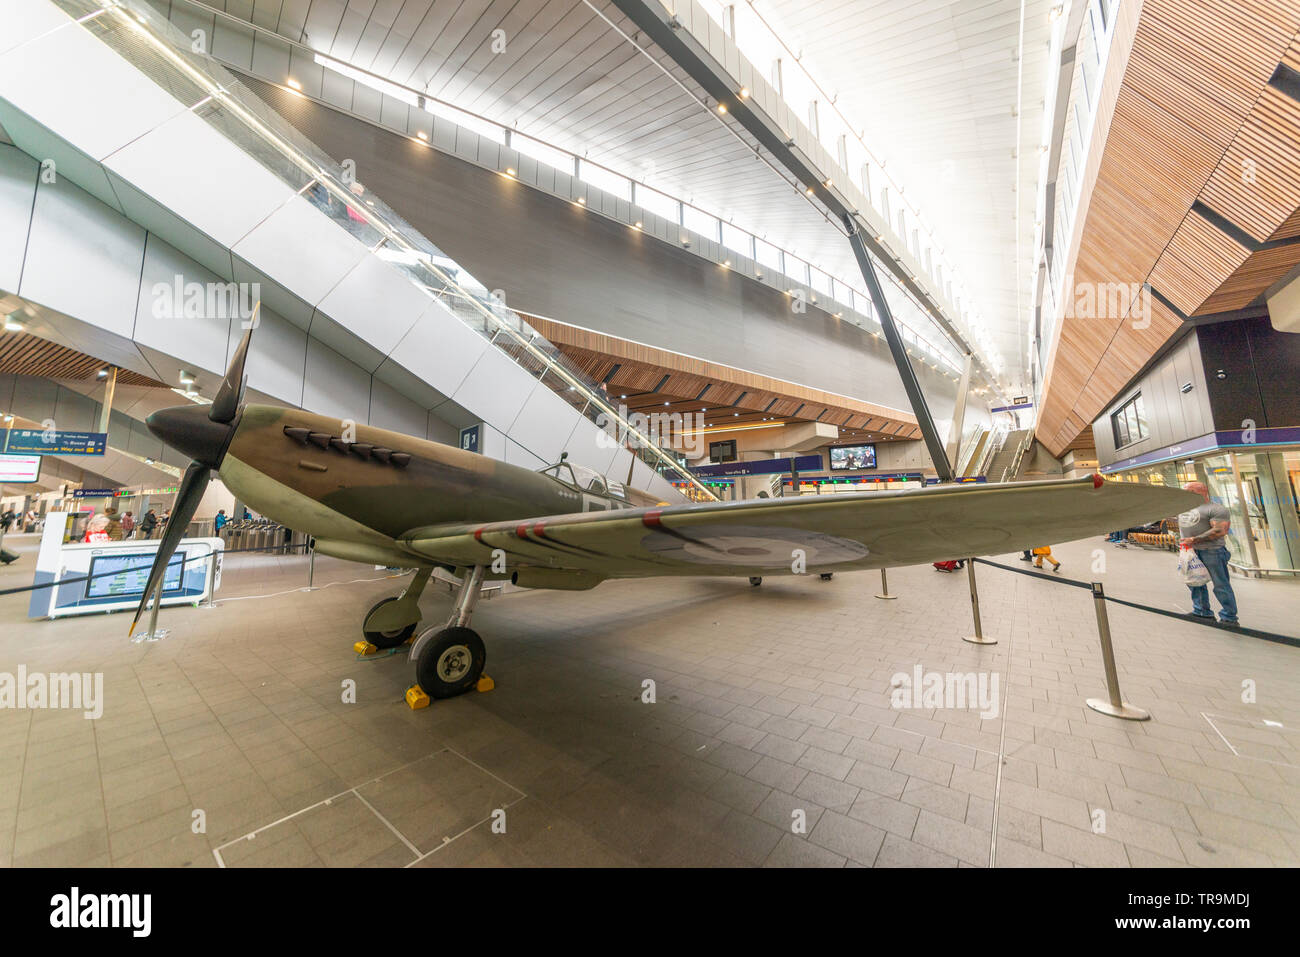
(585, 479)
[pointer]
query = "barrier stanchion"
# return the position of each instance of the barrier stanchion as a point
(212, 582)
(977, 638)
(884, 587)
(1115, 706)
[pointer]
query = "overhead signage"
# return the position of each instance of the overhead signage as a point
(53, 442)
(469, 438)
(1020, 400)
(1017, 407)
(800, 463)
(855, 479)
(94, 493)
(18, 469)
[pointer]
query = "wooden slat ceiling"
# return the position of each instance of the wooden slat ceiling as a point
(24, 354)
(1194, 120)
(655, 380)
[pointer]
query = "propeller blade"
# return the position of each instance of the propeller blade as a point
(231, 392)
(193, 485)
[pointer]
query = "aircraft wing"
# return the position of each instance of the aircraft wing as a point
(847, 530)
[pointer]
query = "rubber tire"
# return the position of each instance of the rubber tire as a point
(756, 580)
(426, 668)
(387, 639)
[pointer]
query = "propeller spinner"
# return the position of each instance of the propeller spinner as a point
(204, 435)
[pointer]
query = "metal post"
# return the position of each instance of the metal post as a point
(929, 431)
(978, 638)
(110, 387)
(884, 587)
(959, 413)
(212, 581)
(311, 564)
(1114, 706)
(154, 633)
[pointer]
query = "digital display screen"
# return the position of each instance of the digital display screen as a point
(849, 457)
(20, 469)
(723, 451)
(125, 576)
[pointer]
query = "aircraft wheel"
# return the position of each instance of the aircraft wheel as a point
(827, 576)
(756, 580)
(450, 663)
(387, 639)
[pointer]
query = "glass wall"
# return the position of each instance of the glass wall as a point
(1259, 491)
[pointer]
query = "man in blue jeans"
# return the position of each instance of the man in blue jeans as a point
(1204, 529)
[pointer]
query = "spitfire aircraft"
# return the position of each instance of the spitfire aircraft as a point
(387, 498)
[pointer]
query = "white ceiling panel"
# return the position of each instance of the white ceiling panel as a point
(932, 84)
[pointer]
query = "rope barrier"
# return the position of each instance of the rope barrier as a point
(1180, 616)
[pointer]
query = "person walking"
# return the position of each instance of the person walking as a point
(128, 525)
(219, 522)
(148, 524)
(1204, 529)
(1045, 551)
(113, 525)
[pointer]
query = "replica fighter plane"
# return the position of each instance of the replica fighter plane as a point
(387, 498)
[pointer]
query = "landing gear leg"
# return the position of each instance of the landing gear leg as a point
(449, 660)
(392, 621)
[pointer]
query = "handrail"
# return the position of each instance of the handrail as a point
(1020, 454)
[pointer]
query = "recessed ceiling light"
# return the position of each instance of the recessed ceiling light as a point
(744, 92)
(510, 171)
(102, 373)
(582, 200)
(13, 325)
(722, 107)
(294, 84)
(422, 135)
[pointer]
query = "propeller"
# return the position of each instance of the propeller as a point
(204, 437)
(226, 403)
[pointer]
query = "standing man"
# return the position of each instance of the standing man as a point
(1204, 529)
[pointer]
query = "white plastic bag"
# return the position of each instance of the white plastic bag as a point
(1191, 568)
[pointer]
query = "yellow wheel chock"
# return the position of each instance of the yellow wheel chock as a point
(416, 698)
(485, 684)
(364, 648)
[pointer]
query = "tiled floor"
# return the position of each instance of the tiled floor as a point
(772, 709)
